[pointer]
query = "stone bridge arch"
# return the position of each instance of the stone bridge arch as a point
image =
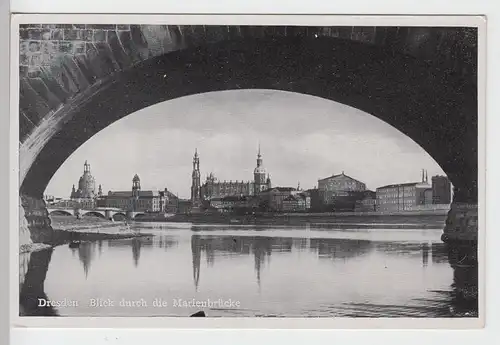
(94, 213)
(119, 216)
(60, 213)
(138, 215)
(421, 81)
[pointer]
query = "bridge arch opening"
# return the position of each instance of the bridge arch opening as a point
(94, 214)
(420, 101)
(119, 217)
(60, 213)
(139, 216)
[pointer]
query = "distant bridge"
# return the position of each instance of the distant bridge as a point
(102, 212)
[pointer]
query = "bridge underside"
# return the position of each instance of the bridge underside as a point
(433, 104)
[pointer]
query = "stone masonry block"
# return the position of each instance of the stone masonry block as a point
(57, 34)
(35, 59)
(86, 35)
(65, 47)
(78, 48)
(72, 34)
(34, 72)
(24, 47)
(46, 35)
(23, 59)
(24, 34)
(48, 47)
(23, 71)
(34, 46)
(101, 26)
(34, 34)
(99, 35)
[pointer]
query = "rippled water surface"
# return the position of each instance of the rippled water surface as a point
(248, 271)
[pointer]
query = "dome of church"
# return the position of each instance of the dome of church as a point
(136, 178)
(259, 170)
(86, 184)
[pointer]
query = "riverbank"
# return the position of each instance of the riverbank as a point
(401, 221)
(67, 229)
(70, 223)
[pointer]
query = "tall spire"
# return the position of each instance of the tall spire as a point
(259, 157)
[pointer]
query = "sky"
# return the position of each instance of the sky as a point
(302, 139)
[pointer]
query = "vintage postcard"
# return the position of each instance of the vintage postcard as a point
(272, 171)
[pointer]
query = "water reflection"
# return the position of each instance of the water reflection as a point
(270, 257)
(332, 248)
(33, 286)
(425, 254)
(86, 253)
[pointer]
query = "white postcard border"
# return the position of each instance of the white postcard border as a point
(224, 323)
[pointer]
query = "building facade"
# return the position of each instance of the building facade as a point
(368, 202)
(441, 190)
(272, 199)
(405, 196)
(231, 203)
(212, 188)
(296, 203)
(136, 200)
(340, 185)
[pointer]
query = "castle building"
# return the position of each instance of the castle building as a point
(85, 195)
(212, 188)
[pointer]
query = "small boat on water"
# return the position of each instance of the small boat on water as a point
(74, 244)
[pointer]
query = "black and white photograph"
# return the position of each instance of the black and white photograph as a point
(248, 171)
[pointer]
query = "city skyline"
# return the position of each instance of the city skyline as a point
(160, 148)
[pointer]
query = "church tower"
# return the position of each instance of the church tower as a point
(195, 181)
(259, 175)
(136, 189)
(136, 185)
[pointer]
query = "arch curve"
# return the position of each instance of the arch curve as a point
(60, 213)
(427, 104)
(94, 214)
(119, 216)
(139, 215)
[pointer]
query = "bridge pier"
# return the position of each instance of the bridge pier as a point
(34, 223)
(461, 224)
(108, 214)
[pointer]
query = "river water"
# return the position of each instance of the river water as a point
(248, 271)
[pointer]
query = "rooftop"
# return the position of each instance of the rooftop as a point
(339, 175)
(128, 194)
(409, 184)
